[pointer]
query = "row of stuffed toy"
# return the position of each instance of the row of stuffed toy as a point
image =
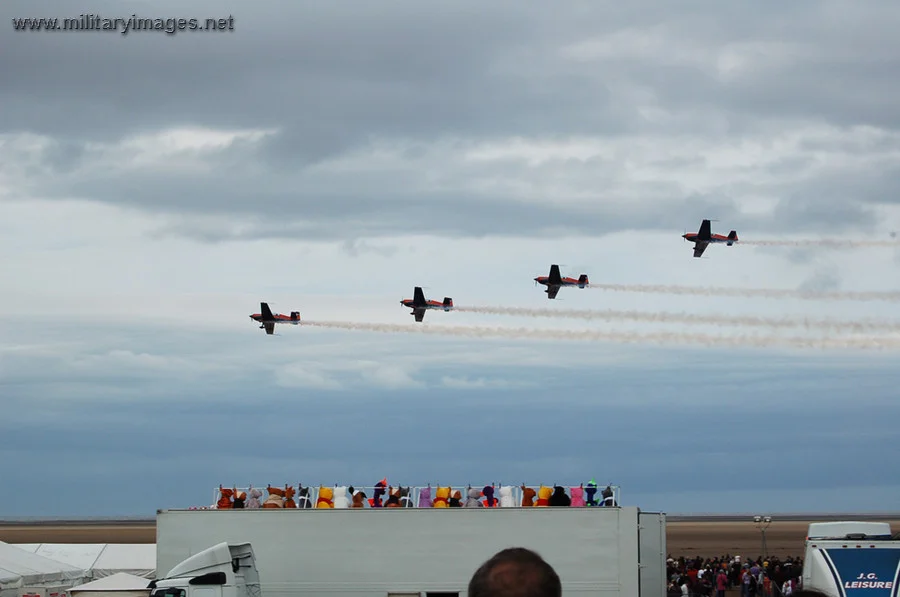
(399, 497)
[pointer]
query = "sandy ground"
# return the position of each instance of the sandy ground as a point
(683, 538)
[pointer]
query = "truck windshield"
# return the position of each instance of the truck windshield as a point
(170, 592)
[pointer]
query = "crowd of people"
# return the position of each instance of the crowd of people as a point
(709, 577)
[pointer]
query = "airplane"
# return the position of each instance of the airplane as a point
(702, 238)
(554, 281)
(269, 319)
(419, 305)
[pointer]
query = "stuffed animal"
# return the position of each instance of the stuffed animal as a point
(240, 499)
(472, 500)
(456, 499)
(326, 495)
(543, 496)
(253, 502)
(442, 497)
(375, 500)
(577, 496)
(506, 497)
(393, 500)
(303, 499)
(359, 498)
(275, 499)
(590, 491)
(559, 497)
(488, 493)
(607, 496)
(405, 499)
(340, 497)
(289, 497)
(425, 500)
(528, 496)
(224, 502)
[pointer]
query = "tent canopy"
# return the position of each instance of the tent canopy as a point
(120, 581)
(101, 559)
(19, 568)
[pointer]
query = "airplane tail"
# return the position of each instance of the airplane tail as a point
(448, 302)
(583, 281)
(266, 312)
(295, 315)
(732, 237)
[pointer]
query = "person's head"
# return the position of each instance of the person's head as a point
(515, 572)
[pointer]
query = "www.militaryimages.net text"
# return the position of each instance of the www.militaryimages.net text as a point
(94, 22)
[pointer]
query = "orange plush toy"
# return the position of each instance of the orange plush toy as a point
(224, 502)
(289, 497)
(527, 496)
(544, 494)
(442, 497)
(275, 499)
(326, 497)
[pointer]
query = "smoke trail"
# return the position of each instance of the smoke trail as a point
(837, 244)
(692, 318)
(617, 337)
(773, 293)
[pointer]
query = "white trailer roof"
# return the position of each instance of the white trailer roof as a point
(101, 559)
(19, 567)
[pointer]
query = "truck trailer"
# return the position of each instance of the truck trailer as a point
(851, 559)
(409, 552)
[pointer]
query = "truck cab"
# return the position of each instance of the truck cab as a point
(223, 570)
(852, 559)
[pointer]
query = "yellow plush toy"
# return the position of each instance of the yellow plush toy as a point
(544, 494)
(442, 497)
(326, 497)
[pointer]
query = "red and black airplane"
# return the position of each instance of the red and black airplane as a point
(554, 281)
(419, 305)
(703, 238)
(269, 319)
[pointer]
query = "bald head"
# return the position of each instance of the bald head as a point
(515, 572)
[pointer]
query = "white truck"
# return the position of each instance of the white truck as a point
(851, 559)
(409, 552)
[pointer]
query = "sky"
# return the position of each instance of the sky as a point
(328, 157)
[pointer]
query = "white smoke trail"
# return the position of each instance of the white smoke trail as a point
(617, 337)
(773, 293)
(837, 244)
(692, 318)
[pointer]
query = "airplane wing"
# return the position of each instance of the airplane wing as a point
(419, 313)
(552, 291)
(270, 327)
(699, 247)
(554, 277)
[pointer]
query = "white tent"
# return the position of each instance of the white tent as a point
(101, 559)
(120, 584)
(20, 568)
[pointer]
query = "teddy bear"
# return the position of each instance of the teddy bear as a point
(489, 500)
(253, 500)
(359, 498)
(425, 500)
(240, 499)
(275, 499)
(528, 494)
(543, 496)
(577, 494)
(456, 499)
(326, 495)
(303, 499)
(224, 502)
(340, 497)
(442, 497)
(393, 500)
(607, 495)
(559, 498)
(405, 499)
(289, 497)
(472, 498)
(506, 497)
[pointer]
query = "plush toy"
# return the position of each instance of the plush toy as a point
(577, 496)
(375, 500)
(240, 499)
(326, 495)
(405, 499)
(559, 497)
(506, 497)
(359, 498)
(393, 500)
(253, 502)
(543, 496)
(303, 499)
(442, 497)
(488, 493)
(472, 500)
(590, 491)
(340, 497)
(456, 499)
(425, 500)
(224, 502)
(607, 496)
(528, 496)
(275, 499)
(289, 497)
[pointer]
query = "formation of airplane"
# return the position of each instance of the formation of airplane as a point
(419, 305)
(553, 281)
(269, 319)
(703, 238)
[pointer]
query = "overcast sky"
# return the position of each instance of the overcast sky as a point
(327, 157)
